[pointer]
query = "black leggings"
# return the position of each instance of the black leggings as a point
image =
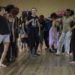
(73, 48)
(33, 40)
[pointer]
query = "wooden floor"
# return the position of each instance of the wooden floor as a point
(46, 64)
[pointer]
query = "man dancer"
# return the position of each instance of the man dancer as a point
(33, 32)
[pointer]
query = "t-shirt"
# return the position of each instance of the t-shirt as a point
(4, 28)
(34, 23)
(66, 23)
(48, 25)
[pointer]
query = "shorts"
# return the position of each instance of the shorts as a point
(4, 38)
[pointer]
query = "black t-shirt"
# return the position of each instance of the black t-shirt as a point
(4, 28)
(34, 22)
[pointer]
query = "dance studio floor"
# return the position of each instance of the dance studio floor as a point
(46, 64)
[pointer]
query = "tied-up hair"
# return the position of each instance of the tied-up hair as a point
(54, 15)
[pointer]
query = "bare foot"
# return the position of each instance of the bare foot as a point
(67, 54)
(2, 65)
(71, 54)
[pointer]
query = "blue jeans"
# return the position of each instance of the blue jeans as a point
(64, 40)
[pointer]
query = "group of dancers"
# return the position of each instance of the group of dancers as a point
(61, 34)
(32, 30)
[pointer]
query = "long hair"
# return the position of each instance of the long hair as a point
(12, 10)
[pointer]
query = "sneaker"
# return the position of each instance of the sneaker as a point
(67, 54)
(57, 54)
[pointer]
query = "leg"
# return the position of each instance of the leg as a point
(41, 41)
(6, 47)
(67, 46)
(74, 54)
(73, 50)
(67, 42)
(36, 42)
(46, 36)
(31, 41)
(60, 43)
(41, 45)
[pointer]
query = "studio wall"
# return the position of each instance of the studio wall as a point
(44, 6)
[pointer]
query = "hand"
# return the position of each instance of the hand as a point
(28, 22)
(37, 20)
(31, 20)
(39, 33)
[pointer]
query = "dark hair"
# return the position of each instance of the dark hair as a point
(72, 13)
(41, 16)
(15, 12)
(68, 10)
(24, 14)
(9, 8)
(54, 15)
(1, 8)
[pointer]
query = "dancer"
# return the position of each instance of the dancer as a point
(13, 26)
(54, 36)
(42, 28)
(53, 30)
(4, 35)
(73, 41)
(65, 33)
(23, 37)
(34, 32)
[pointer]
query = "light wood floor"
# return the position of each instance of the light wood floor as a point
(46, 64)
